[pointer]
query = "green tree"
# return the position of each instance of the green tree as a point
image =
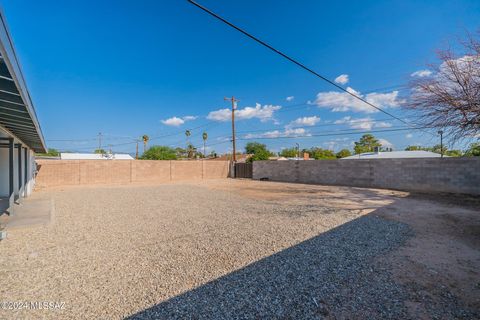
(473, 150)
(367, 143)
(343, 153)
(180, 152)
(319, 153)
(100, 151)
(288, 153)
(454, 153)
(50, 153)
(159, 153)
(437, 149)
(258, 150)
(415, 148)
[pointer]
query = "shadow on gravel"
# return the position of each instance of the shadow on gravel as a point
(332, 275)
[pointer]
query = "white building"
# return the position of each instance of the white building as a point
(394, 155)
(94, 156)
(20, 133)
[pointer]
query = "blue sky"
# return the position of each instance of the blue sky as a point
(128, 68)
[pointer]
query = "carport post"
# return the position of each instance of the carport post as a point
(10, 166)
(20, 182)
(26, 170)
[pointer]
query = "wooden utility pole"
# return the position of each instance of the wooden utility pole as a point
(234, 106)
(136, 152)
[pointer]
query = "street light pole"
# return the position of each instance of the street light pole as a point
(440, 132)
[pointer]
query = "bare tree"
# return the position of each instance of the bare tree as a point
(449, 97)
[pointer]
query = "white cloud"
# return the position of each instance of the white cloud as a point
(264, 113)
(363, 123)
(173, 121)
(290, 98)
(385, 143)
(188, 118)
(305, 121)
(445, 75)
(342, 79)
(337, 143)
(409, 136)
(220, 115)
(382, 124)
(288, 132)
(421, 73)
(176, 121)
(342, 101)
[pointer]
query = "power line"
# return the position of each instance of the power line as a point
(154, 138)
(294, 61)
(330, 134)
(349, 122)
(315, 135)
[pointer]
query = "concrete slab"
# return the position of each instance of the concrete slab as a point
(32, 212)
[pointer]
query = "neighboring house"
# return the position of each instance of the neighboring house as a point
(226, 157)
(394, 155)
(20, 133)
(94, 156)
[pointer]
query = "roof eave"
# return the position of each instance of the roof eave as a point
(9, 55)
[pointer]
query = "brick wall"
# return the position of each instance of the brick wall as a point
(84, 172)
(457, 175)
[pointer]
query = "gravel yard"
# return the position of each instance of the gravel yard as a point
(246, 249)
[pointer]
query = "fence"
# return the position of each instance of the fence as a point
(83, 172)
(243, 170)
(457, 175)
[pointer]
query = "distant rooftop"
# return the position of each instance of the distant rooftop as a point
(94, 156)
(395, 155)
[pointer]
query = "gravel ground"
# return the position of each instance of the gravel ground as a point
(202, 251)
(331, 275)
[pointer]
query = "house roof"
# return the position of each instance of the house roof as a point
(94, 156)
(17, 114)
(395, 155)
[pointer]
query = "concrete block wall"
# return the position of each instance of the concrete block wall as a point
(457, 175)
(87, 172)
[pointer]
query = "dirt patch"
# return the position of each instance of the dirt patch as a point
(440, 264)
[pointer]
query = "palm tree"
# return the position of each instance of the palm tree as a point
(204, 137)
(188, 133)
(191, 151)
(145, 140)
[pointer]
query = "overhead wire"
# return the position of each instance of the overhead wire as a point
(294, 61)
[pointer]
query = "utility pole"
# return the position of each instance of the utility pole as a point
(234, 106)
(440, 132)
(136, 152)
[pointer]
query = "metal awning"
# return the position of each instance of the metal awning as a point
(17, 114)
